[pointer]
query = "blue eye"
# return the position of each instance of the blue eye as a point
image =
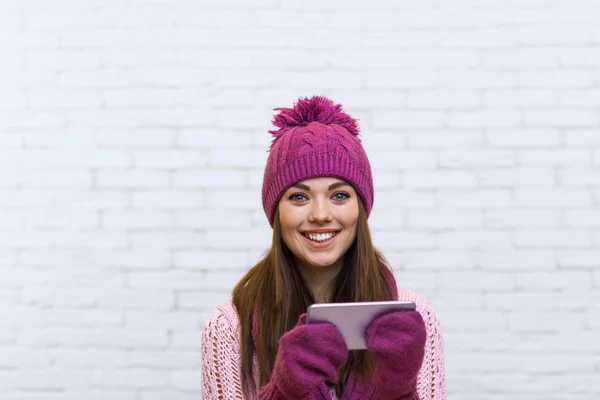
(341, 196)
(297, 197)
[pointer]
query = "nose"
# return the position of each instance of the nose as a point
(320, 212)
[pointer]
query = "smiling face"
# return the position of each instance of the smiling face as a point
(318, 219)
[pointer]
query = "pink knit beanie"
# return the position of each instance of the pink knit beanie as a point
(315, 138)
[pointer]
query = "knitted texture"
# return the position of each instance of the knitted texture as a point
(396, 341)
(308, 355)
(316, 138)
(221, 357)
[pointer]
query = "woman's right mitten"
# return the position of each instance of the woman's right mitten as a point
(308, 355)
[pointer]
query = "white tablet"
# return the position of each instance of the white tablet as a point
(353, 319)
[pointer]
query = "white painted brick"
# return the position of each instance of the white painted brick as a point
(386, 218)
(580, 98)
(234, 199)
(131, 178)
(443, 99)
(187, 380)
(128, 219)
(363, 98)
(579, 57)
(13, 100)
(475, 158)
(408, 119)
(236, 240)
(174, 279)
(42, 379)
(210, 260)
(186, 340)
(578, 258)
(444, 219)
(488, 118)
(123, 57)
(521, 260)
(403, 240)
(401, 78)
(581, 136)
(457, 301)
(441, 179)
(538, 300)
(208, 179)
(521, 321)
(208, 140)
(476, 280)
(130, 378)
(130, 338)
(244, 158)
(386, 179)
(556, 78)
(45, 337)
(167, 239)
(73, 98)
(216, 218)
(13, 358)
(474, 321)
(139, 257)
(523, 138)
(169, 158)
(59, 217)
(89, 317)
(531, 237)
(135, 138)
(169, 359)
(562, 157)
(543, 197)
(90, 78)
(583, 217)
(561, 117)
(63, 59)
(92, 358)
(475, 239)
(55, 179)
(484, 198)
(204, 300)
(160, 319)
(58, 297)
(445, 139)
(532, 218)
(554, 280)
(171, 395)
(403, 160)
(438, 259)
(138, 298)
(521, 59)
(476, 78)
(516, 177)
(167, 199)
(579, 177)
(520, 98)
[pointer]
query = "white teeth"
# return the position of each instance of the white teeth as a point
(321, 236)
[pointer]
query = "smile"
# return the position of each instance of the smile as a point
(320, 239)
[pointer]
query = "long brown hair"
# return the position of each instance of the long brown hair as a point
(276, 291)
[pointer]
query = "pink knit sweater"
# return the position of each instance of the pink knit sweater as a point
(221, 354)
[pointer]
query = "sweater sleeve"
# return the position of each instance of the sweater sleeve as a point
(221, 356)
(432, 376)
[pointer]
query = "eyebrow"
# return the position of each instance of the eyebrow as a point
(331, 187)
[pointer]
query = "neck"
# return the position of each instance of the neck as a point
(319, 279)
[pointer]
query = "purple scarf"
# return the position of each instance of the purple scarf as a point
(353, 390)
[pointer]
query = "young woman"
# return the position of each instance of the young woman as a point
(317, 194)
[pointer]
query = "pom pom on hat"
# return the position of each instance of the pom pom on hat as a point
(314, 109)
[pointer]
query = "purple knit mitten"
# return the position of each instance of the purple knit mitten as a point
(396, 341)
(308, 355)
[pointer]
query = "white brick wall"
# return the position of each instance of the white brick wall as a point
(132, 142)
